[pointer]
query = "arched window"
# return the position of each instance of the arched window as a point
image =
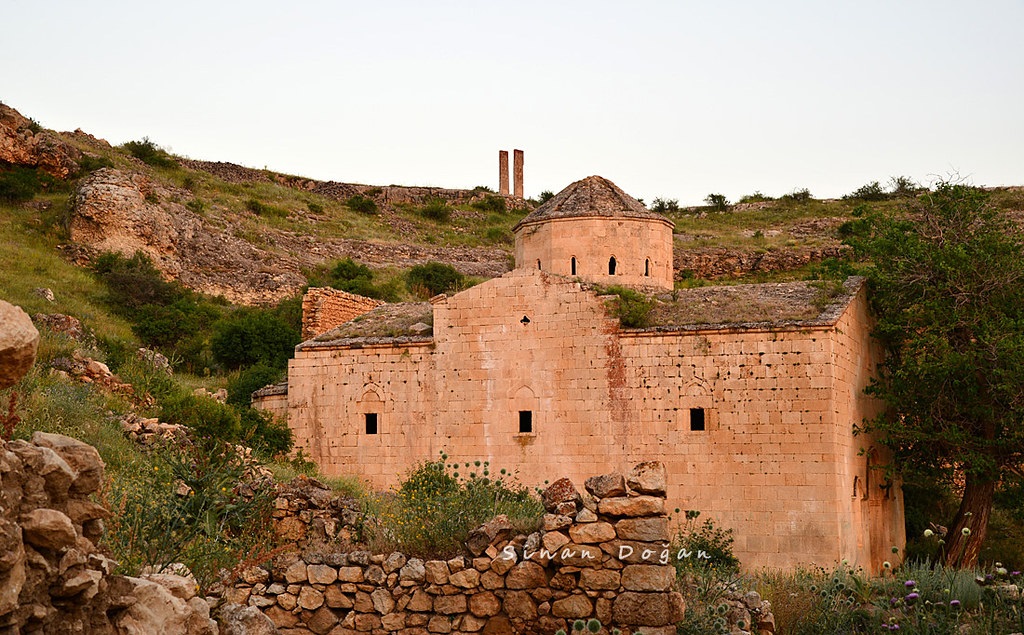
(572, 264)
(611, 266)
(647, 267)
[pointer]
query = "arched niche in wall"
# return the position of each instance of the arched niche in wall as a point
(696, 406)
(524, 410)
(370, 412)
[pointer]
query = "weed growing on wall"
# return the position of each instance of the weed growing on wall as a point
(432, 511)
(631, 307)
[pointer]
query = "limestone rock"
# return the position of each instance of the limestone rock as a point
(592, 533)
(526, 575)
(574, 606)
(82, 457)
(648, 577)
(63, 324)
(561, 491)
(495, 530)
(606, 485)
(651, 529)
(414, 570)
(632, 506)
(244, 620)
(48, 529)
(649, 477)
(643, 609)
(18, 342)
(156, 610)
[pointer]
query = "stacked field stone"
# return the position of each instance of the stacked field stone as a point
(571, 569)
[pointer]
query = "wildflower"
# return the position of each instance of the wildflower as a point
(1001, 571)
(954, 603)
(895, 549)
(928, 533)
(887, 565)
(966, 531)
(911, 597)
(1015, 573)
(910, 584)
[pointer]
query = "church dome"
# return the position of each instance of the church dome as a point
(596, 232)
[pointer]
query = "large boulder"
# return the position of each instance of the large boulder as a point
(151, 607)
(18, 342)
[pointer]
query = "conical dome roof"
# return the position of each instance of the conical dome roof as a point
(592, 196)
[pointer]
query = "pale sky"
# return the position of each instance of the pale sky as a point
(667, 99)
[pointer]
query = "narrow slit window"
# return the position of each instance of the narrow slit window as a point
(371, 422)
(611, 266)
(525, 421)
(538, 263)
(572, 265)
(647, 267)
(697, 419)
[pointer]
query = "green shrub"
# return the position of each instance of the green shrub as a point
(499, 235)
(150, 153)
(903, 187)
(185, 507)
(264, 210)
(797, 196)
(546, 196)
(665, 206)
(708, 546)
(89, 163)
(351, 276)
(196, 205)
(207, 417)
(632, 308)
(434, 278)
(264, 433)
(250, 336)
(249, 381)
(134, 282)
(316, 208)
(19, 184)
(756, 197)
(362, 204)
(483, 188)
(435, 507)
(491, 203)
(436, 209)
(869, 192)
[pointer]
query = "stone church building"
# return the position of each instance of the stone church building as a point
(748, 394)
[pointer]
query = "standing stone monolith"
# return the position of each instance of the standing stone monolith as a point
(517, 172)
(503, 172)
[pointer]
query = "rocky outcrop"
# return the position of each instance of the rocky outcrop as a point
(127, 212)
(594, 557)
(722, 263)
(23, 142)
(18, 342)
(309, 515)
(53, 578)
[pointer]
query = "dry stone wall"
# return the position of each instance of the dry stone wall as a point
(601, 554)
(324, 308)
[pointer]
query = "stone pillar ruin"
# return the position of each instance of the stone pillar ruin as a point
(517, 172)
(503, 172)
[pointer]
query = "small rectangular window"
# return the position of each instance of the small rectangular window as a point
(371, 423)
(696, 419)
(525, 421)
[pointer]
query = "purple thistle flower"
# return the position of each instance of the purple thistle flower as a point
(893, 601)
(955, 603)
(1015, 573)
(910, 584)
(911, 597)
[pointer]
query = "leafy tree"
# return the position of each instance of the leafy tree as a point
(434, 278)
(663, 206)
(947, 285)
(253, 336)
(546, 196)
(717, 202)
(351, 276)
(869, 192)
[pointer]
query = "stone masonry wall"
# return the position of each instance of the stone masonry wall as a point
(324, 308)
(598, 555)
(776, 460)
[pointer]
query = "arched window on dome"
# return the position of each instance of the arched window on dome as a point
(611, 266)
(572, 265)
(647, 267)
